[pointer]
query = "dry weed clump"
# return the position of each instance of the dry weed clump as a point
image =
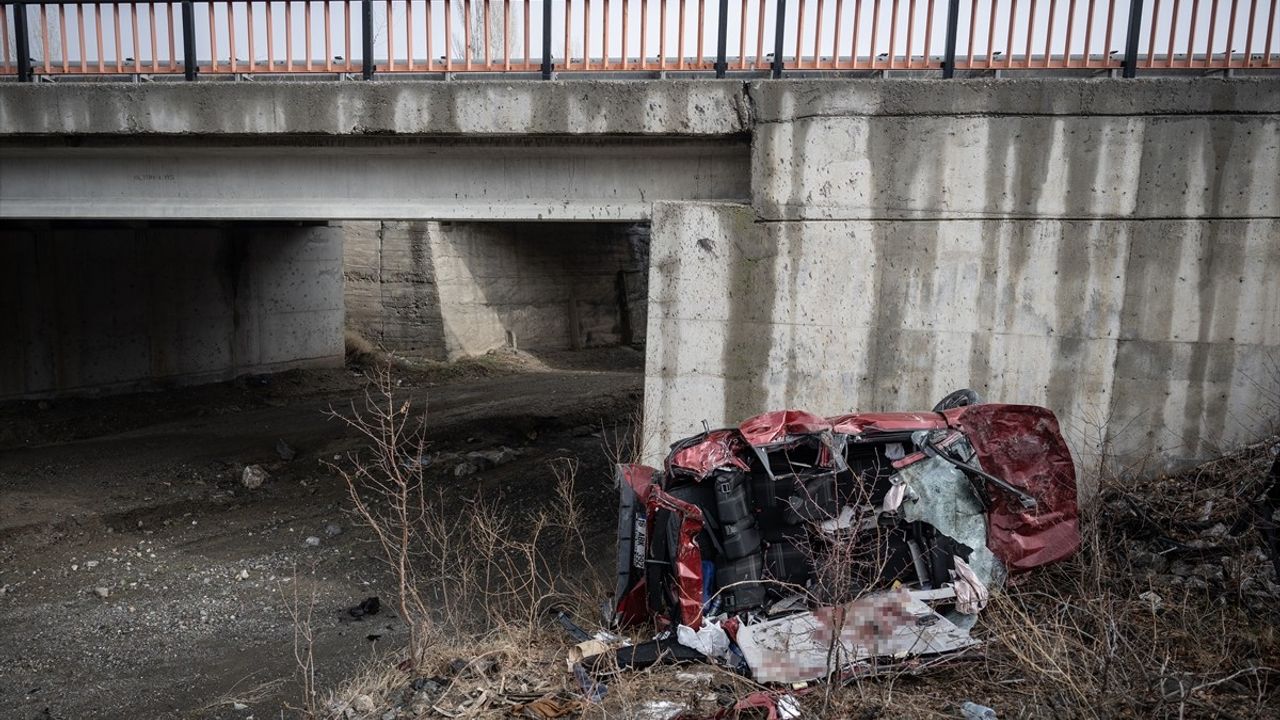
(1117, 631)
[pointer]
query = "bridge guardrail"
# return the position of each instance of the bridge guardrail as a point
(52, 38)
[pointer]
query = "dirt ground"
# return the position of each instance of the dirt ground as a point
(139, 498)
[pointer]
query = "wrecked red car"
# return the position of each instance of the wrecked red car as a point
(768, 528)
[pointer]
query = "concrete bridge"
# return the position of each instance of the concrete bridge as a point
(1108, 249)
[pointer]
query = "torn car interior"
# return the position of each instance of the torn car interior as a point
(820, 546)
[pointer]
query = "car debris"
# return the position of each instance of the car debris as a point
(795, 548)
(974, 711)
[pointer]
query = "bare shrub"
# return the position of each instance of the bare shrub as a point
(471, 565)
(301, 606)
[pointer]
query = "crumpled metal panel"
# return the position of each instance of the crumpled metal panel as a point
(774, 427)
(1022, 445)
(702, 455)
(800, 647)
(863, 423)
(688, 556)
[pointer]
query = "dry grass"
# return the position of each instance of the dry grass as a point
(1073, 640)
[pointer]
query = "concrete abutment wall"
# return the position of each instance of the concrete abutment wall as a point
(463, 288)
(1057, 243)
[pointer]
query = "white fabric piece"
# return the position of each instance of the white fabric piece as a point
(971, 593)
(893, 498)
(710, 639)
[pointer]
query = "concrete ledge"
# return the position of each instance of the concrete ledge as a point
(576, 107)
(781, 101)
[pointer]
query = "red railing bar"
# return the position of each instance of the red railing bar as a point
(231, 35)
(528, 58)
(1106, 52)
(115, 16)
(893, 33)
(466, 34)
(586, 34)
(662, 34)
(288, 35)
(1213, 20)
(911, 33)
(133, 24)
(626, 12)
(1173, 34)
(1191, 43)
(448, 45)
(1048, 36)
(875, 30)
(173, 46)
(1271, 27)
(1031, 21)
(835, 36)
(1008, 47)
(1071, 24)
(1231, 35)
(742, 38)
(928, 33)
(1088, 35)
(155, 54)
(4, 36)
(991, 35)
(249, 27)
(62, 36)
(1151, 42)
(408, 33)
(97, 18)
(800, 34)
(568, 22)
(1248, 38)
(306, 32)
(426, 27)
(44, 37)
(391, 41)
(487, 54)
(506, 34)
(84, 65)
(760, 37)
(680, 38)
(328, 38)
(702, 14)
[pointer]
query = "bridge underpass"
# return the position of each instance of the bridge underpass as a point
(827, 244)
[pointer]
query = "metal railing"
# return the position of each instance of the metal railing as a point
(50, 38)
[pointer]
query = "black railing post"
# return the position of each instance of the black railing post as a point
(546, 39)
(366, 40)
(722, 40)
(20, 41)
(1131, 45)
(189, 38)
(949, 54)
(779, 26)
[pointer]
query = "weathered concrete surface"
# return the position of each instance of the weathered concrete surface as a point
(456, 289)
(523, 108)
(1153, 337)
(122, 307)
(361, 178)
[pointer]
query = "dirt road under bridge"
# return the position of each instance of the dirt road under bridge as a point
(139, 499)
